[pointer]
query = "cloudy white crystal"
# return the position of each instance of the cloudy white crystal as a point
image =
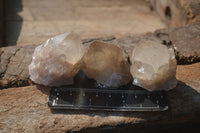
(56, 62)
(106, 64)
(153, 66)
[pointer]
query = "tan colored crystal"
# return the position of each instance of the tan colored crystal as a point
(106, 64)
(153, 66)
(56, 62)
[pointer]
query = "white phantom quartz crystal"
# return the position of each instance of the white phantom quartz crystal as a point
(56, 62)
(106, 64)
(153, 66)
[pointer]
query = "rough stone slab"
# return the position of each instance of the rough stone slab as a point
(185, 41)
(21, 59)
(25, 110)
(15, 60)
(14, 63)
(177, 13)
(6, 55)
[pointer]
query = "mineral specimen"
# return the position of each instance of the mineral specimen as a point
(106, 64)
(153, 66)
(56, 62)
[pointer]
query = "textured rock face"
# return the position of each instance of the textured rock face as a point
(153, 66)
(176, 13)
(186, 41)
(57, 61)
(106, 64)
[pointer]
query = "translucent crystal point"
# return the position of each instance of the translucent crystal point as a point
(106, 64)
(153, 66)
(57, 61)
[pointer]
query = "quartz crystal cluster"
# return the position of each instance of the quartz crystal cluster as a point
(56, 62)
(106, 64)
(153, 66)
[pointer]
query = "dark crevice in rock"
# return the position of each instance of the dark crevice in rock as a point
(168, 44)
(168, 13)
(181, 60)
(128, 60)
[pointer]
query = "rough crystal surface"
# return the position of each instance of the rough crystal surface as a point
(106, 64)
(153, 66)
(56, 62)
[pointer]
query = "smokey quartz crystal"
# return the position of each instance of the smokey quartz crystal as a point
(106, 64)
(153, 66)
(56, 62)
